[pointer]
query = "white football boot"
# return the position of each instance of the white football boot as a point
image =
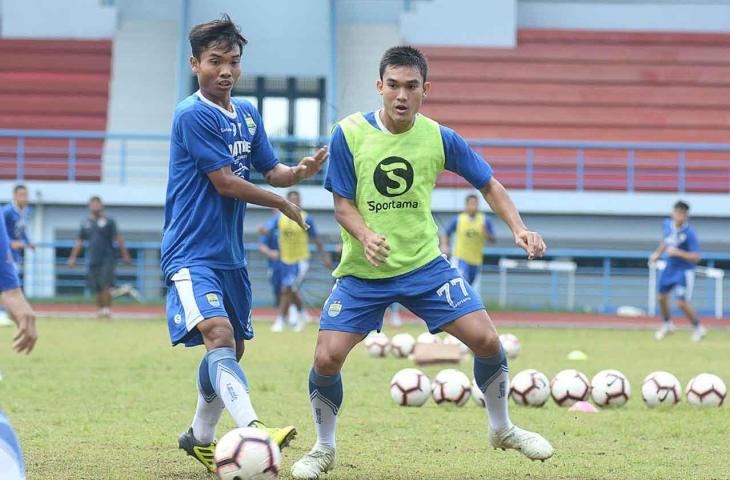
(699, 333)
(319, 460)
(530, 444)
(667, 328)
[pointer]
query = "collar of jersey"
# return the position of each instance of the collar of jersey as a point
(384, 129)
(231, 115)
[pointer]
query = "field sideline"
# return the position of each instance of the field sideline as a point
(107, 401)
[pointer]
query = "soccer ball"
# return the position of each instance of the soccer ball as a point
(451, 386)
(510, 344)
(706, 390)
(377, 344)
(530, 388)
(247, 454)
(569, 386)
(476, 394)
(402, 345)
(610, 388)
(660, 388)
(452, 340)
(410, 388)
(427, 337)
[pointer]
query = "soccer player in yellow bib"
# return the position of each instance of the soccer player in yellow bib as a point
(383, 168)
(294, 263)
(473, 229)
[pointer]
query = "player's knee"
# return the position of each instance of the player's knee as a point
(486, 344)
(327, 362)
(681, 303)
(217, 333)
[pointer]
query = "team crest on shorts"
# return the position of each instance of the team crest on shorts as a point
(251, 125)
(178, 319)
(335, 309)
(213, 300)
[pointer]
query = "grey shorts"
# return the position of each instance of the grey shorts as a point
(101, 276)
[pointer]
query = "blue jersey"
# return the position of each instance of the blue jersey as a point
(8, 272)
(16, 222)
(271, 238)
(459, 158)
(683, 238)
(202, 227)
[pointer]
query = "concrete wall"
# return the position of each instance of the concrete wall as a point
(82, 19)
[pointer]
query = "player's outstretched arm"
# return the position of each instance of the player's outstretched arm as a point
(501, 203)
(374, 244)
(283, 176)
(231, 185)
(22, 313)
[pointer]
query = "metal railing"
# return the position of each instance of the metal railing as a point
(602, 280)
(126, 158)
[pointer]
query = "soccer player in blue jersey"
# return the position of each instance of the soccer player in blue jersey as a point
(216, 140)
(681, 250)
(383, 169)
(12, 466)
(473, 229)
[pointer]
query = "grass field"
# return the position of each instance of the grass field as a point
(107, 400)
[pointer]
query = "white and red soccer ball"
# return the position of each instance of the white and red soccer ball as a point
(610, 388)
(451, 386)
(706, 390)
(410, 388)
(427, 338)
(477, 394)
(377, 344)
(660, 389)
(530, 388)
(569, 386)
(402, 345)
(510, 345)
(247, 454)
(452, 340)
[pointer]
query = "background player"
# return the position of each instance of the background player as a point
(12, 466)
(392, 158)
(681, 250)
(16, 215)
(100, 232)
(294, 263)
(269, 247)
(216, 140)
(473, 229)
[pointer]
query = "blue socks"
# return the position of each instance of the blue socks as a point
(492, 377)
(229, 382)
(325, 394)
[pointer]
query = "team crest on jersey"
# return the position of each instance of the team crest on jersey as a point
(335, 309)
(251, 125)
(213, 300)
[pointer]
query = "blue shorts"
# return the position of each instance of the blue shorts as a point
(435, 292)
(682, 281)
(468, 271)
(275, 277)
(292, 274)
(197, 293)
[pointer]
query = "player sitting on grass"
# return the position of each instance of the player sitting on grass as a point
(681, 249)
(216, 141)
(382, 172)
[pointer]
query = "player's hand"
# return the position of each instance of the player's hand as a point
(376, 248)
(294, 213)
(309, 166)
(273, 254)
(532, 243)
(17, 245)
(653, 258)
(22, 313)
(71, 262)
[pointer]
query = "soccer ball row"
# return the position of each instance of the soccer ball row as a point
(410, 387)
(403, 344)
(611, 388)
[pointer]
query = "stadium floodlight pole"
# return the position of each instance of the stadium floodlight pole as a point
(182, 53)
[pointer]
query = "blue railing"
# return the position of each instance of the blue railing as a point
(604, 279)
(526, 164)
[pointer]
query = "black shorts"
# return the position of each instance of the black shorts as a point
(101, 276)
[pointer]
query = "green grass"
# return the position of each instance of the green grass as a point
(107, 400)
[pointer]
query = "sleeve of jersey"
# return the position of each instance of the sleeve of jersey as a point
(203, 139)
(341, 172)
(263, 157)
(452, 226)
(464, 161)
(8, 274)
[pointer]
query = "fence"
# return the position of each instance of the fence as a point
(126, 158)
(603, 280)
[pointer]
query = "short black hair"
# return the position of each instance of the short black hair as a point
(470, 196)
(404, 56)
(19, 186)
(680, 205)
(222, 32)
(292, 192)
(95, 198)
